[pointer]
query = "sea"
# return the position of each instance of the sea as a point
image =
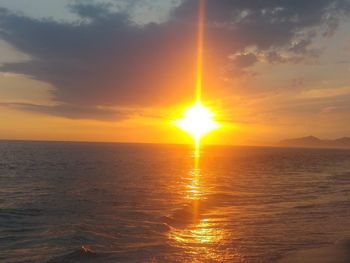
(65, 202)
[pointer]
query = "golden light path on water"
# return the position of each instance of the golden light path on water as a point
(200, 236)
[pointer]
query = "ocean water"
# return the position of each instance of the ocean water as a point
(99, 202)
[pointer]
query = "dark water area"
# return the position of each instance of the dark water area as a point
(99, 202)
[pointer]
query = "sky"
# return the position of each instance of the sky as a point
(124, 71)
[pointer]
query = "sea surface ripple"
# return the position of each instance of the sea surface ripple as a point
(64, 202)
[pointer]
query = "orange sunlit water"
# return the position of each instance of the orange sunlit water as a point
(201, 235)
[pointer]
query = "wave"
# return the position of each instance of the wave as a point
(180, 217)
(195, 209)
(141, 252)
(85, 254)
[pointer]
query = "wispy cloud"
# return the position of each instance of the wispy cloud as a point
(323, 93)
(72, 112)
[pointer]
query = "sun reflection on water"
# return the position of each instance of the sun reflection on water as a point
(202, 235)
(194, 191)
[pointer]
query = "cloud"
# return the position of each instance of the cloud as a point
(324, 93)
(105, 59)
(100, 10)
(72, 111)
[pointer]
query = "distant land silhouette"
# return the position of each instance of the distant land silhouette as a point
(314, 142)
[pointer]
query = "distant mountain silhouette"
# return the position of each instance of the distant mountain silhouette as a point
(314, 142)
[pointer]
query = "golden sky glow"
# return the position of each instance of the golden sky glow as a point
(200, 45)
(260, 88)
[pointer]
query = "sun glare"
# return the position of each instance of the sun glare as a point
(198, 120)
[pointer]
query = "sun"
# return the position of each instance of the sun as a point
(198, 120)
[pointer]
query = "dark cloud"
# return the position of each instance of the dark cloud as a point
(245, 60)
(106, 59)
(91, 11)
(240, 63)
(268, 23)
